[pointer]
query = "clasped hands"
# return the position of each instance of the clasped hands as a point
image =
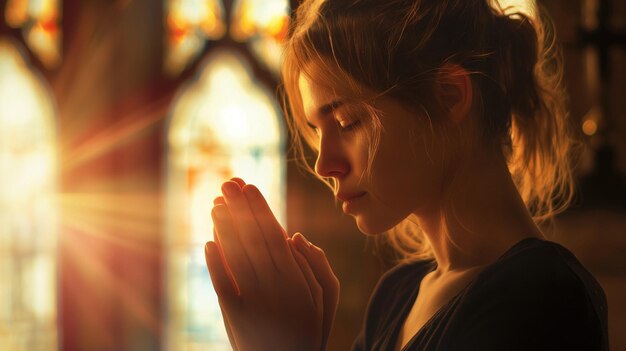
(275, 292)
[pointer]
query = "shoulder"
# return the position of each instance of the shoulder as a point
(539, 293)
(534, 265)
(540, 271)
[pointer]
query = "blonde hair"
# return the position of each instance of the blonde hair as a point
(364, 49)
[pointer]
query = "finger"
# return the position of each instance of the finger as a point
(219, 201)
(314, 287)
(234, 254)
(229, 272)
(220, 270)
(273, 232)
(239, 181)
(325, 276)
(227, 326)
(225, 290)
(250, 234)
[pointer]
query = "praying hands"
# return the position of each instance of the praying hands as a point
(275, 292)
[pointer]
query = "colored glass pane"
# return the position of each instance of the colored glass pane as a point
(190, 23)
(39, 20)
(263, 24)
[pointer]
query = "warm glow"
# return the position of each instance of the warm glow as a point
(27, 207)
(526, 7)
(252, 17)
(222, 125)
(590, 121)
(590, 127)
(589, 11)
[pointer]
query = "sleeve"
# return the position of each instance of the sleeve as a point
(554, 312)
(384, 302)
(371, 322)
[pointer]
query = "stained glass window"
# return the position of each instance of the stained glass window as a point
(189, 24)
(263, 25)
(39, 20)
(27, 212)
(223, 124)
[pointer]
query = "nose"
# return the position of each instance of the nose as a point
(331, 159)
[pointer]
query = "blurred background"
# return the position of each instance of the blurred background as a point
(119, 119)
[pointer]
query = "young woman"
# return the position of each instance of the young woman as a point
(440, 125)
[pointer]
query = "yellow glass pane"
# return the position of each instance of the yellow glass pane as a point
(44, 39)
(265, 17)
(16, 13)
(189, 24)
(27, 211)
(223, 124)
(263, 24)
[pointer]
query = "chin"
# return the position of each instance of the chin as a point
(376, 225)
(373, 227)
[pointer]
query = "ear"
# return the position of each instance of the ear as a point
(455, 92)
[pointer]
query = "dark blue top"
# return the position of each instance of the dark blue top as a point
(536, 296)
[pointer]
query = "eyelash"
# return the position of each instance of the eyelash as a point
(349, 127)
(343, 129)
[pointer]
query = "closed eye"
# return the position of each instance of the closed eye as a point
(349, 126)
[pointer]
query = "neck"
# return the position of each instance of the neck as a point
(485, 217)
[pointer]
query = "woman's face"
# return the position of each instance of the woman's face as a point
(406, 172)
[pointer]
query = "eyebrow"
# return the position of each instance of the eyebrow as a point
(326, 109)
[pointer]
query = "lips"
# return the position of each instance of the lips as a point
(345, 196)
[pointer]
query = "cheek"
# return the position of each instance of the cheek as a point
(357, 152)
(407, 174)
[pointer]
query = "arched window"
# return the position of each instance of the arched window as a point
(28, 235)
(223, 124)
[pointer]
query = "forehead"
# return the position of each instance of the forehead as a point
(314, 96)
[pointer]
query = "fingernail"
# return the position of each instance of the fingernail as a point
(230, 188)
(239, 181)
(219, 201)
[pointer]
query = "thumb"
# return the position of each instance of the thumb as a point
(325, 277)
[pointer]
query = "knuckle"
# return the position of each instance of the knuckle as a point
(336, 282)
(320, 252)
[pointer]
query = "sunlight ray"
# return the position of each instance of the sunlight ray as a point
(115, 136)
(120, 226)
(103, 279)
